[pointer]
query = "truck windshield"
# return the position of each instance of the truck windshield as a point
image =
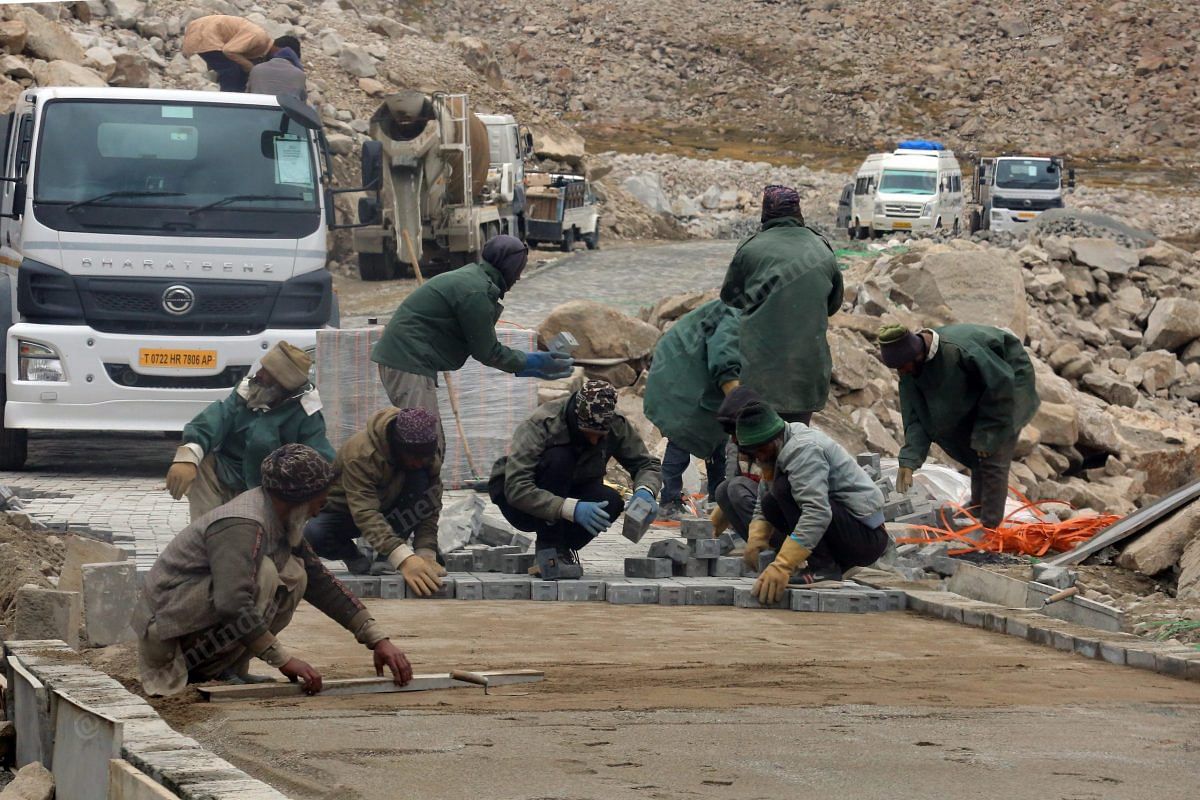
(142, 166)
(908, 181)
(1016, 173)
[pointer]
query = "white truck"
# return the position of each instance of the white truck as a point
(919, 190)
(155, 243)
(1010, 192)
(562, 211)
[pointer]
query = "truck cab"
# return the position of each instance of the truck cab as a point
(1013, 191)
(155, 244)
(920, 190)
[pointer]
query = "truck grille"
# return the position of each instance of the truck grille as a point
(1013, 204)
(124, 375)
(903, 210)
(135, 305)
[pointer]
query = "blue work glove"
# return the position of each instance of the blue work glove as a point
(646, 494)
(592, 516)
(547, 366)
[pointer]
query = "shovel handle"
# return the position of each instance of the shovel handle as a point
(1063, 595)
(470, 677)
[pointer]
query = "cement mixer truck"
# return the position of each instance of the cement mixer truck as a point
(443, 179)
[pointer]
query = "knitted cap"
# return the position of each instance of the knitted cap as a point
(288, 364)
(595, 406)
(758, 424)
(296, 473)
(899, 346)
(415, 431)
(780, 201)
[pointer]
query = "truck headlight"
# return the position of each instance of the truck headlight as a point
(997, 214)
(39, 362)
(879, 209)
(928, 209)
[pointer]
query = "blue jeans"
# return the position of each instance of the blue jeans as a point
(675, 463)
(230, 76)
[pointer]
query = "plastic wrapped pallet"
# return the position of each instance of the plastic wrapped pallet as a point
(491, 403)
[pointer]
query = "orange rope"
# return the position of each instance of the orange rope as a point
(1024, 538)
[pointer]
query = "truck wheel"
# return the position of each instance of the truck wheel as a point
(976, 221)
(955, 229)
(592, 240)
(14, 442)
(375, 267)
(568, 240)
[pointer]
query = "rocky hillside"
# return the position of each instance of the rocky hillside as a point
(1093, 80)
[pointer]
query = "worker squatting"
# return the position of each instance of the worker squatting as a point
(734, 382)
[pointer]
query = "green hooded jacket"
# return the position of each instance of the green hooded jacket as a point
(447, 320)
(692, 360)
(240, 438)
(975, 393)
(786, 281)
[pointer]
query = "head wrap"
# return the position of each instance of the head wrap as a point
(288, 364)
(780, 201)
(758, 424)
(732, 406)
(507, 254)
(415, 431)
(595, 406)
(899, 346)
(296, 473)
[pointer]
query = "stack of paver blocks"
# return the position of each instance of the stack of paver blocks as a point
(698, 554)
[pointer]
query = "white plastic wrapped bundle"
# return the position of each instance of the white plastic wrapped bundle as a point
(491, 403)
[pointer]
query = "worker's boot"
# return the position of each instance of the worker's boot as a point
(673, 509)
(816, 571)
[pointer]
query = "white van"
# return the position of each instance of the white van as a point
(920, 189)
(862, 206)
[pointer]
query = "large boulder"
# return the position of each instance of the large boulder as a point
(602, 331)
(1174, 323)
(1160, 547)
(357, 61)
(1154, 370)
(130, 70)
(64, 73)
(557, 143)
(1056, 424)
(854, 362)
(675, 306)
(33, 782)
(125, 13)
(48, 40)
(647, 188)
(10, 90)
(13, 35)
(977, 285)
(1188, 586)
(1104, 254)
(1108, 386)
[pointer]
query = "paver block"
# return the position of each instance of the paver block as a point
(1087, 647)
(460, 561)
(1064, 641)
(48, 614)
(647, 567)
(1140, 657)
(468, 589)
(1113, 653)
(927, 519)
(705, 548)
(506, 589)
(840, 601)
(582, 591)
(494, 534)
(696, 528)
(517, 563)
(365, 586)
(109, 594)
(674, 549)
(522, 540)
(743, 597)
(637, 519)
(543, 590)
(447, 591)
(765, 557)
(491, 559)
(726, 567)
(632, 593)
(804, 600)
(730, 541)
(672, 594)
(709, 594)
(392, 587)
(870, 464)
(896, 505)
(897, 600)
(693, 568)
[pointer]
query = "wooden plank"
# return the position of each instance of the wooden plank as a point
(1135, 523)
(352, 686)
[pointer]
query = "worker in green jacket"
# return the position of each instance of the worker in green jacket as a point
(452, 317)
(969, 389)
(226, 442)
(552, 480)
(785, 279)
(696, 363)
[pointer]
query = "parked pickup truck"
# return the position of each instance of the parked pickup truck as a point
(560, 209)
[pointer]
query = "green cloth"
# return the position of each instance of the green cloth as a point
(975, 393)
(786, 280)
(692, 360)
(448, 319)
(758, 425)
(240, 438)
(548, 427)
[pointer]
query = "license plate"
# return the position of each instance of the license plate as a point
(901, 225)
(1026, 215)
(178, 359)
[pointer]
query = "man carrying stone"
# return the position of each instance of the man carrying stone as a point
(452, 317)
(552, 481)
(816, 507)
(969, 389)
(224, 445)
(226, 586)
(785, 279)
(696, 363)
(388, 487)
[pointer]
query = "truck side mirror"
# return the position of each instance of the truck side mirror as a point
(371, 165)
(1071, 178)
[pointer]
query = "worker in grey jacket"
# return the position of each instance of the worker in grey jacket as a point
(816, 507)
(281, 72)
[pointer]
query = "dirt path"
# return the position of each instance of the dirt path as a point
(652, 702)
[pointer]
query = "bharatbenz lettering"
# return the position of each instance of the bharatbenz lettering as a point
(155, 244)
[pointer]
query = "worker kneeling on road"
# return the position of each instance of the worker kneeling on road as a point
(816, 507)
(451, 318)
(226, 442)
(969, 389)
(229, 583)
(552, 481)
(388, 487)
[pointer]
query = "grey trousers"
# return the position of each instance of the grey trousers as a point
(207, 492)
(989, 485)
